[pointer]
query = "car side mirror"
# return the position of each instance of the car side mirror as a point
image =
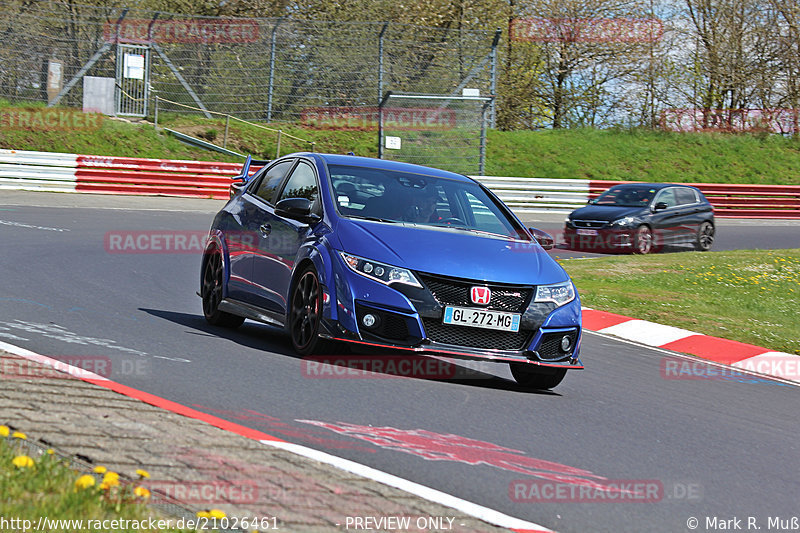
(297, 209)
(660, 206)
(544, 239)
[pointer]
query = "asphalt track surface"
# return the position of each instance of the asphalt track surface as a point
(714, 449)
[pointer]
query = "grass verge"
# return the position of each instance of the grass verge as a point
(610, 154)
(32, 488)
(744, 295)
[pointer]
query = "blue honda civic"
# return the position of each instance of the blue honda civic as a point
(342, 249)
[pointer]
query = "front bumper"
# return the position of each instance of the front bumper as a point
(605, 238)
(410, 319)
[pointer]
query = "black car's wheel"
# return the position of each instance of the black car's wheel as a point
(211, 292)
(643, 240)
(306, 314)
(537, 377)
(705, 237)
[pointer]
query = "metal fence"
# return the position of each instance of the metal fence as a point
(447, 132)
(330, 74)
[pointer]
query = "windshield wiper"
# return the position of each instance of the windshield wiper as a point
(471, 230)
(375, 219)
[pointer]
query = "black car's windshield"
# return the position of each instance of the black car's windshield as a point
(391, 196)
(627, 196)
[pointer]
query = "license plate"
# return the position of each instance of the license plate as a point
(586, 231)
(481, 318)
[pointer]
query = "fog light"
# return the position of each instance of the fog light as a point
(566, 343)
(369, 320)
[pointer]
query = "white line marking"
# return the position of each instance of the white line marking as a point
(21, 225)
(478, 511)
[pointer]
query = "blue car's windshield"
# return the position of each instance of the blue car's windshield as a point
(391, 196)
(628, 196)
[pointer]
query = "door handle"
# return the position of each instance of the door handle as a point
(265, 229)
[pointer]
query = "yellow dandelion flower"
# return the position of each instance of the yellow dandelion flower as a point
(19, 435)
(50, 451)
(143, 474)
(141, 492)
(104, 486)
(22, 461)
(84, 482)
(203, 514)
(100, 470)
(111, 479)
(4, 431)
(216, 513)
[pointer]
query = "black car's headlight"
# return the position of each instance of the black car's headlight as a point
(558, 293)
(382, 272)
(624, 222)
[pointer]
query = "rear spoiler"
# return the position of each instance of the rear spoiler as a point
(244, 176)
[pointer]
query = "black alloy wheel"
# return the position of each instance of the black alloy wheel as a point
(306, 313)
(705, 237)
(211, 293)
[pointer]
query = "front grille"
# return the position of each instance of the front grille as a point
(475, 337)
(456, 292)
(550, 345)
(589, 223)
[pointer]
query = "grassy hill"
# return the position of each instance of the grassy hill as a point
(584, 153)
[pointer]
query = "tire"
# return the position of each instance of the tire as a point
(211, 293)
(705, 237)
(539, 378)
(643, 240)
(305, 316)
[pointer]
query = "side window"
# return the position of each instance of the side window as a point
(668, 197)
(302, 184)
(271, 180)
(686, 196)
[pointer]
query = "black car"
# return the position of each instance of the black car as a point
(642, 218)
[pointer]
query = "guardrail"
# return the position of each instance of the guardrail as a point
(46, 171)
(531, 195)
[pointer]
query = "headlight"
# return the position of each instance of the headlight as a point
(558, 293)
(627, 221)
(382, 272)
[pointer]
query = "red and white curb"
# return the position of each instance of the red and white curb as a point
(739, 355)
(480, 512)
